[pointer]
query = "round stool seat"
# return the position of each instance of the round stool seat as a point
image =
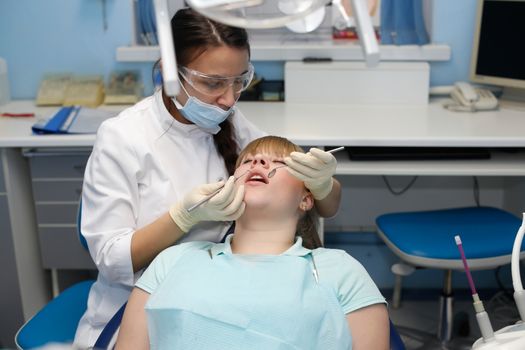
(485, 233)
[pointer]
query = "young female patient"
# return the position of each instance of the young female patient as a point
(267, 287)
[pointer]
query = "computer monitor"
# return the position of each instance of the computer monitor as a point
(498, 55)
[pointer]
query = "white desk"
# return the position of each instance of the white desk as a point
(336, 125)
(307, 125)
(326, 125)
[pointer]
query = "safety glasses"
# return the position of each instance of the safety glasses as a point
(213, 85)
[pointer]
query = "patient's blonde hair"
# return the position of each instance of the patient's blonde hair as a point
(278, 146)
(282, 147)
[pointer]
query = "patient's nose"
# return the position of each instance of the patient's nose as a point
(259, 159)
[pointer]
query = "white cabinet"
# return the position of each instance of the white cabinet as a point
(265, 49)
(56, 178)
(280, 44)
(25, 284)
(2, 183)
(10, 303)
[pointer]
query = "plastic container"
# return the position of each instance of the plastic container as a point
(4, 83)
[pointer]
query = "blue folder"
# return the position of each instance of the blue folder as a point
(73, 120)
(53, 125)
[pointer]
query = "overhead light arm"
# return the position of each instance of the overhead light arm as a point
(365, 30)
(170, 76)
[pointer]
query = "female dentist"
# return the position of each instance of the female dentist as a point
(150, 163)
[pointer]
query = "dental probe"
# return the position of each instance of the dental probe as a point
(210, 196)
(272, 172)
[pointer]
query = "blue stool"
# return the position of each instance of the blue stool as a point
(426, 239)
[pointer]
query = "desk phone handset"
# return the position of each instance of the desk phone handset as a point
(469, 99)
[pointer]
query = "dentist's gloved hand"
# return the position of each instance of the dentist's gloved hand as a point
(227, 205)
(315, 168)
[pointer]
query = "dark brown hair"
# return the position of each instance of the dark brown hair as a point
(280, 146)
(192, 35)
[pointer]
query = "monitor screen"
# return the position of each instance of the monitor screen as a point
(498, 55)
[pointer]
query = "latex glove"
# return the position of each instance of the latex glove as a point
(227, 205)
(316, 168)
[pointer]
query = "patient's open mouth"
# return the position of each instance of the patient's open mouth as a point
(256, 177)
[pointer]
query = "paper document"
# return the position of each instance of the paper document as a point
(86, 120)
(73, 120)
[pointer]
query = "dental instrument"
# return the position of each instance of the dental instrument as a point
(211, 195)
(272, 172)
(481, 315)
(511, 337)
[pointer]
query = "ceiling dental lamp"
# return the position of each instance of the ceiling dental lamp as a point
(253, 15)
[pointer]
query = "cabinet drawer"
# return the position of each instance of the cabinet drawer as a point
(50, 213)
(61, 249)
(5, 224)
(57, 190)
(58, 166)
(2, 182)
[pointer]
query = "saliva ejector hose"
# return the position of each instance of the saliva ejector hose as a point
(519, 294)
(481, 315)
(511, 337)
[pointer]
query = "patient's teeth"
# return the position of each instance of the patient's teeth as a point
(257, 177)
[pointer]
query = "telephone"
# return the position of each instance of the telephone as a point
(470, 99)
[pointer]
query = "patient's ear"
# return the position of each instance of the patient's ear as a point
(307, 202)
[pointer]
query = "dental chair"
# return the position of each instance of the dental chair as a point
(425, 239)
(396, 343)
(57, 321)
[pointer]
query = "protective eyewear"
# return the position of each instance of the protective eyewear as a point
(213, 85)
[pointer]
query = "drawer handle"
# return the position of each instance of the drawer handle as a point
(79, 167)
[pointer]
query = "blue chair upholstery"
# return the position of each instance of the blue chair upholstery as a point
(108, 336)
(396, 343)
(58, 320)
(426, 239)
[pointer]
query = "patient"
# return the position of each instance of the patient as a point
(267, 287)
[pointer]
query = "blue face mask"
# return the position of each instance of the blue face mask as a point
(203, 114)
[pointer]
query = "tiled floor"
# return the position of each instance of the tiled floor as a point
(423, 316)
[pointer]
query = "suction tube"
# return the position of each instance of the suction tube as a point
(519, 294)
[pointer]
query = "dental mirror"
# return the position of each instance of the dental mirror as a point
(274, 170)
